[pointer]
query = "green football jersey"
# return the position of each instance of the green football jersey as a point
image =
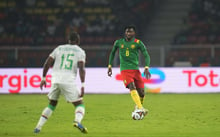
(129, 53)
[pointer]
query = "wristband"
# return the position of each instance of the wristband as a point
(109, 66)
(83, 84)
(44, 79)
(146, 67)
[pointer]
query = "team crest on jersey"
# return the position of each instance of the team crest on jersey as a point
(122, 46)
(137, 40)
(132, 46)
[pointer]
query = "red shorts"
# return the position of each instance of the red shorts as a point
(129, 76)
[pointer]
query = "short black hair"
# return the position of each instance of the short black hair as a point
(130, 27)
(73, 36)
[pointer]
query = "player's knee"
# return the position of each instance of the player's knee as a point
(53, 102)
(80, 102)
(141, 92)
(131, 86)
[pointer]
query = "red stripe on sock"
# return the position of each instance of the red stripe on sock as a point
(44, 116)
(80, 112)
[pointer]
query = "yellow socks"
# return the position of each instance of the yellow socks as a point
(136, 98)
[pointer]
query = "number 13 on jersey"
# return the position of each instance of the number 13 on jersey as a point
(66, 61)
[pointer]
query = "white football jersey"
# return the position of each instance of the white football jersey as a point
(66, 60)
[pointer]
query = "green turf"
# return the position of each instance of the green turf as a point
(171, 115)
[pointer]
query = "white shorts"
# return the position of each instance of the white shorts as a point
(70, 92)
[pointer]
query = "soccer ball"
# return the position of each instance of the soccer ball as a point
(137, 114)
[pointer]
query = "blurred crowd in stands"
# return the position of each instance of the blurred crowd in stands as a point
(37, 23)
(47, 22)
(200, 27)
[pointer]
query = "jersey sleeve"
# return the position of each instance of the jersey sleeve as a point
(82, 56)
(53, 53)
(145, 53)
(112, 54)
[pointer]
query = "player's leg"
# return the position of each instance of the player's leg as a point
(134, 95)
(141, 99)
(53, 96)
(79, 115)
(47, 112)
(72, 94)
(141, 94)
(139, 83)
(79, 111)
(128, 79)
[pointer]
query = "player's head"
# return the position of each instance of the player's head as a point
(130, 32)
(74, 38)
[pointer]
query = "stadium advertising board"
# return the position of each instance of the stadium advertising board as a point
(163, 80)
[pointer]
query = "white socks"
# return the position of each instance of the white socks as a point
(79, 113)
(47, 112)
(43, 119)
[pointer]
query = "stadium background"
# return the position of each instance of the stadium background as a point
(176, 32)
(183, 30)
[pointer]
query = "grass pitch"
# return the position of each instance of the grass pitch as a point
(170, 115)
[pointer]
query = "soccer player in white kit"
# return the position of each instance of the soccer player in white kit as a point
(65, 59)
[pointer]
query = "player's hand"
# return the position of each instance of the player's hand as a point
(43, 83)
(147, 73)
(109, 72)
(82, 92)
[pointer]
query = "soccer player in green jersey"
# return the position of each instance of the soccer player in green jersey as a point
(129, 48)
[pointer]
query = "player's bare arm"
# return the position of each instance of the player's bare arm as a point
(82, 73)
(48, 63)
